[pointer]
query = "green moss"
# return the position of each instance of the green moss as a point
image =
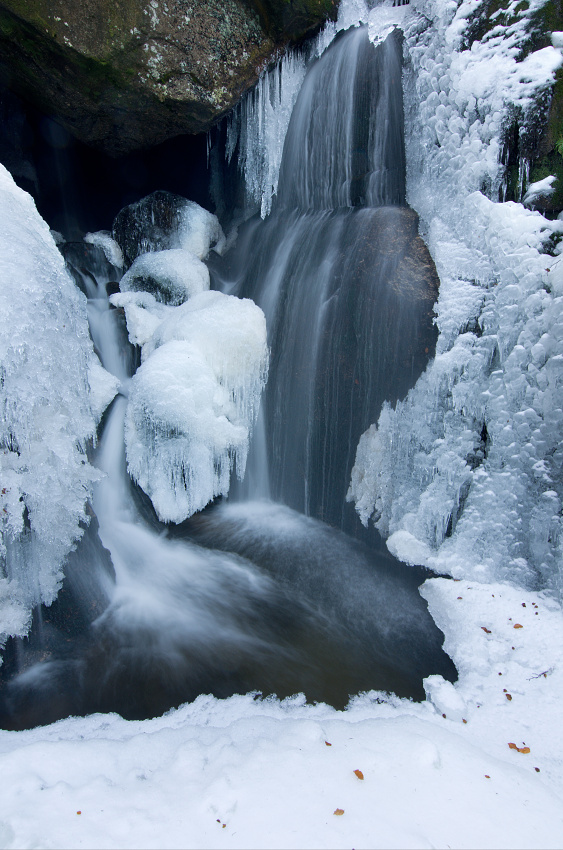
(551, 164)
(34, 61)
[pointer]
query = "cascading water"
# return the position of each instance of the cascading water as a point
(264, 596)
(345, 282)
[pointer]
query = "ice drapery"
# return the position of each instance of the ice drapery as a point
(52, 390)
(194, 399)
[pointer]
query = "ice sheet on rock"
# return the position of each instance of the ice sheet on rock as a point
(47, 413)
(194, 400)
(172, 276)
(103, 387)
(109, 246)
(385, 18)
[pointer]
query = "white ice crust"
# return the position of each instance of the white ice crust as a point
(104, 240)
(200, 231)
(174, 275)
(52, 393)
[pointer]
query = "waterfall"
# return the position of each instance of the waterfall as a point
(345, 282)
(269, 596)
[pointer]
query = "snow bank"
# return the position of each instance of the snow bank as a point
(194, 400)
(465, 474)
(48, 370)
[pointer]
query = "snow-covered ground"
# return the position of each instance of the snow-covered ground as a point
(248, 773)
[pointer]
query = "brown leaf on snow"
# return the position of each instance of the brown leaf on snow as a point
(338, 812)
(518, 626)
(359, 774)
(509, 696)
(519, 749)
(485, 629)
(328, 745)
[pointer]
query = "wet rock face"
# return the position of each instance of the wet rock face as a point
(127, 74)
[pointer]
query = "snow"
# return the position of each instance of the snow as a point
(194, 400)
(541, 188)
(48, 371)
(246, 772)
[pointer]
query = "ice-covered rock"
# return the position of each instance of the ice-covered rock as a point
(48, 372)
(143, 314)
(162, 221)
(172, 276)
(539, 189)
(109, 246)
(194, 400)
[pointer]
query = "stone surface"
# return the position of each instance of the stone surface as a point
(127, 74)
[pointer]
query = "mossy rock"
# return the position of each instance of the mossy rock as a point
(127, 74)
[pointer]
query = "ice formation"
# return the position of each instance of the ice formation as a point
(112, 251)
(171, 276)
(194, 400)
(163, 221)
(48, 370)
(465, 475)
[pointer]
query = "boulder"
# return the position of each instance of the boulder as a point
(127, 74)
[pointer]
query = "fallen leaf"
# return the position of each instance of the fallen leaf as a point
(223, 825)
(523, 749)
(518, 626)
(509, 697)
(78, 813)
(359, 774)
(487, 776)
(328, 745)
(485, 629)
(513, 746)
(338, 812)
(464, 720)
(537, 769)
